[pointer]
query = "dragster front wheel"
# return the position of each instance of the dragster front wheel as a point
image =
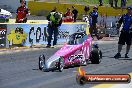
(41, 62)
(61, 64)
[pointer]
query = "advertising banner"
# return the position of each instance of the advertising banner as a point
(33, 34)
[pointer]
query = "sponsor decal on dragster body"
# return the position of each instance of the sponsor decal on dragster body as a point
(75, 57)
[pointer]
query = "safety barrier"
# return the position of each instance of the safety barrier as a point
(25, 34)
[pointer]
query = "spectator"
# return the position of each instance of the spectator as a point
(93, 22)
(116, 2)
(113, 1)
(123, 3)
(55, 20)
(100, 2)
(86, 16)
(126, 32)
(22, 13)
(54, 9)
(68, 12)
(86, 9)
(75, 13)
(68, 16)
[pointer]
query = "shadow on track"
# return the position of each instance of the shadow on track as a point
(121, 58)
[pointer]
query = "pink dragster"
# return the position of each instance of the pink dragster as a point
(78, 51)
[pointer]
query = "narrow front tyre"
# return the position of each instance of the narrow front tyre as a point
(41, 62)
(61, 64)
